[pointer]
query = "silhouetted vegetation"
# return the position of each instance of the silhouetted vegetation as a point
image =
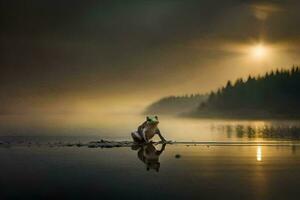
(276, 94)
(176, 104)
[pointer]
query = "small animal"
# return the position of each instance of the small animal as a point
(147, 130)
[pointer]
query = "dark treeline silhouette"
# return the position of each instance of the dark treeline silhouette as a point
(176, 104)
(274, 95)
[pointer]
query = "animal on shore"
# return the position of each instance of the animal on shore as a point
(147, 130)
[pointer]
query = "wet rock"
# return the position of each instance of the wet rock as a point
(92, 146)
(109, 144)
(79, 145)
(177, 156)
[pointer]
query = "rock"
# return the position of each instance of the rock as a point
(92, 146)
(177, 156)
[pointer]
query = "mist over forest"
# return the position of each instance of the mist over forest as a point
(176, 104)
(273, 95)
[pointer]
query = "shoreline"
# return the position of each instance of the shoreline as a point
(233, 116)
(116, 144)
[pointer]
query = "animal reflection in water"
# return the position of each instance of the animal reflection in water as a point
(149, 155)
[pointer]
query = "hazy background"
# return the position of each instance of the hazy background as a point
(60, 57)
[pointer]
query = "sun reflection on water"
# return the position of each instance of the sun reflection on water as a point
(258, 154)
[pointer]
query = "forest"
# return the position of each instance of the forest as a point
(273, 95)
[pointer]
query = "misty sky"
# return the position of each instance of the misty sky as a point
(61, 56)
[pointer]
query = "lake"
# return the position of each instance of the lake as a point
(173, 171)
(233, 172)
(119, 126)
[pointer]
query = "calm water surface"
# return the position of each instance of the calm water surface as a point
(231, 172)
(91, 127)
(153, 171)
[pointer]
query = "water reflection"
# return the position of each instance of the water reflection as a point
(258, 154)
(149, 155)
(263, 131)
(117, 126)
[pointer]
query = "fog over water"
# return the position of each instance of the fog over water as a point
(76, 75)
(119, 126)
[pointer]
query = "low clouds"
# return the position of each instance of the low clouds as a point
(127, 49)
(262, 11)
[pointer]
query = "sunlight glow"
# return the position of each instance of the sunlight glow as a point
(259, 51)
(258, 154)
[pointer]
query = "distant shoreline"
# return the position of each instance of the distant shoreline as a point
(274, 95)
(234, 116)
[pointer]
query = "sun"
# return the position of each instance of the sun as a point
(259, 51)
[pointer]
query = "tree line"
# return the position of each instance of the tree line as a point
(275, 94)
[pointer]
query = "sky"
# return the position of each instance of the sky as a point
(61, 56)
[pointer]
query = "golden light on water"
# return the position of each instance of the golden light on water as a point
(258, 154)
